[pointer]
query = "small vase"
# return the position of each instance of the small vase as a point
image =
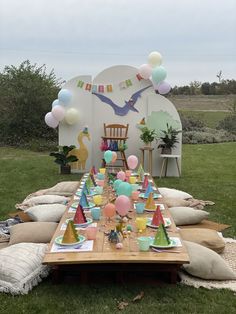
(65, 169)
(166, 151)
(148, 145)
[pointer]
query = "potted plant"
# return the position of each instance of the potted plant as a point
(148, 135)
(63, 158)
(169, 139)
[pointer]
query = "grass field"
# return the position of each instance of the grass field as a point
(208, 174)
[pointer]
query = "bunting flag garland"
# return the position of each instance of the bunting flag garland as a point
(108, 88)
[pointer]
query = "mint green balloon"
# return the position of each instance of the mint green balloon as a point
(108, 156)
(116, 184)
(124, 188)
(159, 74)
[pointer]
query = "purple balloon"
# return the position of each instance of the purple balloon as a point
(163, 88)
(50, 120)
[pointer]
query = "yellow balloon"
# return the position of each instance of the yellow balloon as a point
(72, 116)
(155, 59)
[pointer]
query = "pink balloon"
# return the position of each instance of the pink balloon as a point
(163, 88)
(145, 70)
(132, 162)
(58, 112)
(114, 156)
(50, 120)
(123, 205)
(121, 175)
(109, 210)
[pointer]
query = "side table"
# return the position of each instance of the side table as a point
(149, 150)
(165, 163)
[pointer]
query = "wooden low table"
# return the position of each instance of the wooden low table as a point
(105, 256)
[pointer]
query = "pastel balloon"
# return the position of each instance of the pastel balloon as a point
(58, 112)
(56, 102)
(64, 96)
(163, 88)
(132, 162)
(116, 184)
(123, 205)
(109, 210)
(155, 58)
(145, 71)
(108, 156)
(72, 116)
(124, 189)
(159, 74)
(50, 120)
(114, 156)
(121, 175)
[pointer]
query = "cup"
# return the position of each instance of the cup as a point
(97, 199)
(91, 232)
(135, 195)
(102, 170)
(96, 213)
(128, 173)
(139, 207)
(100, 176)
(144, 243)
(132, 180)
(98, 189)
(134, 187)
(141, 223)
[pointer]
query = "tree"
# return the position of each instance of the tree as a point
(219, 75)
(26, 94)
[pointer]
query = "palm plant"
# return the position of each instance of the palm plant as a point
(63, 158)
(169, 138)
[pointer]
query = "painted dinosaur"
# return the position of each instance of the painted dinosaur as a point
(129, 105)
(81, 152)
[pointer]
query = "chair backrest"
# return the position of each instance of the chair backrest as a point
(116, 130)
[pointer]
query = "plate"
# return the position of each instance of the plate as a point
(142, 195)
(173, 243)
(166, 220)
(92, 193)
(58, 241)
(75, 205)
(89, 221)
(153, 210)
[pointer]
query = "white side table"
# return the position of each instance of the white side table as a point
(165, 163)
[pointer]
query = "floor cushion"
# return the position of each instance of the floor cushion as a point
(46, 212)
(34, 232)
(206, 237)
(206, 264)
(166, 192)
(173, 201)
(3, 245)
(21, 267)
(187, 215)
(42, 199)
(63, 188)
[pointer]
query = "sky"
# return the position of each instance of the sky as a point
(197, 38)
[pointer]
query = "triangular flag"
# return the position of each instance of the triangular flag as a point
(157, 218)
(145, 182)
(79, 217)
(161, 237)
(150, 203)
(83, 200)
(148, 190)
(70, 235)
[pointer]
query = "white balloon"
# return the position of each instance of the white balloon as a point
(50, 120)
(155, 59)
(58, 112)
(145, 71)
(72, 116)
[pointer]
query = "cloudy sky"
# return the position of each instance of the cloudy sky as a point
(196, 38)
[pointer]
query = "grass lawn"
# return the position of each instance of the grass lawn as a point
(209, 173)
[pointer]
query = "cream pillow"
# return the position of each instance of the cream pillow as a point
(172, 202)
(206, 237)
(21, 267)
(47, 212)
(187, 215)
(166, 192)
(206, 264)
(42, 199)
(34, 232)
(63, 188)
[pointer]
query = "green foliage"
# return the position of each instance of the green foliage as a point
(229, 122)
(190, 123)
(169, 138)
(148, 135)
(26, 94)
(207, 136)
(62, 157)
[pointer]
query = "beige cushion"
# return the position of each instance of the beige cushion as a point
(3, 245)
(34, 232)
(172, 202)
(21, 267)
(206, 237)
(187, 215)
(63, 188)
(47, 212)
(42, 199)
(173, 193)
(206, 264)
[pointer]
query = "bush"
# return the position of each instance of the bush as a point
(228, 123)
(191, 123)
(207, 136)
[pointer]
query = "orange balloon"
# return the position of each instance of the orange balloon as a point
(114, 156)
(109, 210)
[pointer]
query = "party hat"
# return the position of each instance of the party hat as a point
(157, 218)
(91, 177)
(70, 235)
(161, 237)
(86, 188)
(148, 190)
(145, 182)
(83, 200)
(79, 217)
(150, 203)
(94, 170)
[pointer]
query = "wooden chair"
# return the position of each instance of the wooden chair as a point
(118, 133)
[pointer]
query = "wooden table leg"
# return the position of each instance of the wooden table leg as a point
(56, 274)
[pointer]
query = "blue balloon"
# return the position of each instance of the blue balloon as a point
(116, 184)
(55, 103)
(159, 74)
(108, 156)
(64, 96)
(124, 189)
